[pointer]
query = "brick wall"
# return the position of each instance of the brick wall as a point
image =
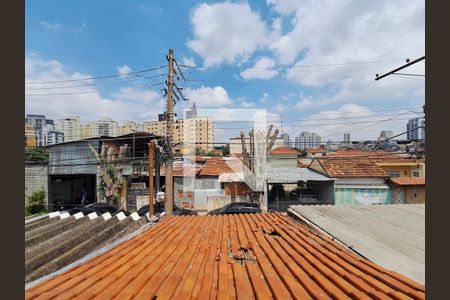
(36, 178)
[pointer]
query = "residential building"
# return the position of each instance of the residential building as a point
(42, 127)
(35, 121)
(347, 138)
(358, 180)
(70, 126)
(86, 131)
(195, 130)
(422, 130)
(386, 134)
(30, 136)
(55, 137)
(130, 127)
(284, 157)
(315, 152)
(414, 132)
(408, 190)
(105, 127)
(286, 139)
(307, 140)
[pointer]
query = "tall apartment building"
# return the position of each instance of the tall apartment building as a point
(286, 139)
(413, 130)
(43, 127)
(130, 127)
(30, 136)
(70, 126)
(385, 134)
(307, 140)
(347, 138)
(192, 112)
(422, 130)
(199, 130)
(103, 127)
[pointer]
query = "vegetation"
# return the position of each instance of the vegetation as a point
(36, 154)
(36, 203)
(226, 149)
(200, 152)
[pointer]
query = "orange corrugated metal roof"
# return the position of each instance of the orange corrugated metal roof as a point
(284, 151)
(259, 256)
(351, 168)
(408, 181)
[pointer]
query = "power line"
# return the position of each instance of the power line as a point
(99, 77)
(296, 65)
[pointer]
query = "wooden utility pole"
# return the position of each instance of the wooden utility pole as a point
(151, 190)
(169, 134)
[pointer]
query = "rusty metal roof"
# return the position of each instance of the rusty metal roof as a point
(228, 256)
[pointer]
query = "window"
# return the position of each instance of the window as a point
(394, 174)
(415, 173)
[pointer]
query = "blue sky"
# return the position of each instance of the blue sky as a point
(311, 63)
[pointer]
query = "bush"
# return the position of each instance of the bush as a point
(36, 203)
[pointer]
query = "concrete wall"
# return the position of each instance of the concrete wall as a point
(214, 202)
(36, 179)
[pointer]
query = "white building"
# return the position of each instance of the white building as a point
(70, 126)
(105, 127)
(307, 140)
(236, 146)
(286, 139)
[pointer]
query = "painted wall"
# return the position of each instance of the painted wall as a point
(362, 195)
(36, 179)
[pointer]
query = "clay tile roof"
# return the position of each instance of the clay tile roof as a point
(244, 256)
(351, 168)
(284, 151)
(315, 150)
(216, 166)
(408, 181)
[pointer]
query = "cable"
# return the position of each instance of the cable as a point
(296, 65)
(99, 77)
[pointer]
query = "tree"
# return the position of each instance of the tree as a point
(36, 203)
(200, 152)
(226, 149)
(110, 173)
(36, 154)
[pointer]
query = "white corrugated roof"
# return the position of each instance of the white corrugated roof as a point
(293, 175)
(392, 236)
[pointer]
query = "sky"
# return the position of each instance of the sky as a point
(310, 64)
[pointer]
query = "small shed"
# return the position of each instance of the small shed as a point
(297, 186)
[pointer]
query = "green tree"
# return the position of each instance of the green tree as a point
(226, 149)
(36, 154)
(36, 203)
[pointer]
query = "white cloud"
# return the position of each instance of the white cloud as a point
(129, 103)
(209, 97)
(124, 69)
(284, 7)
(51, 25)
(246, 104)
(264, 98)
(226, 32)
(263, 69)
(188, 61)
(360, 121)
(280, 108)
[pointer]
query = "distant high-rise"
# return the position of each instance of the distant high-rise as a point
(191, 113)
(413, 130)
(347, 138)
(286, 139)
(422, 130)
(43, 127)
(70, 126)
(307, 140)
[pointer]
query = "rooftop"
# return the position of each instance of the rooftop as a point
(316, 150)
(408, 181)
(227, 256)
(216, 166)
(293, 175)
(392, 236)
(284, 151)
(351, 168)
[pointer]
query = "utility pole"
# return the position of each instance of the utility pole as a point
(151, 190)
(169, 133)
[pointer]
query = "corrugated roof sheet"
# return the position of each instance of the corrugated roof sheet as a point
(226, 257)
(408, 181)
(284, 151)
(351, 168)
(392, 236)
(293, 175)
